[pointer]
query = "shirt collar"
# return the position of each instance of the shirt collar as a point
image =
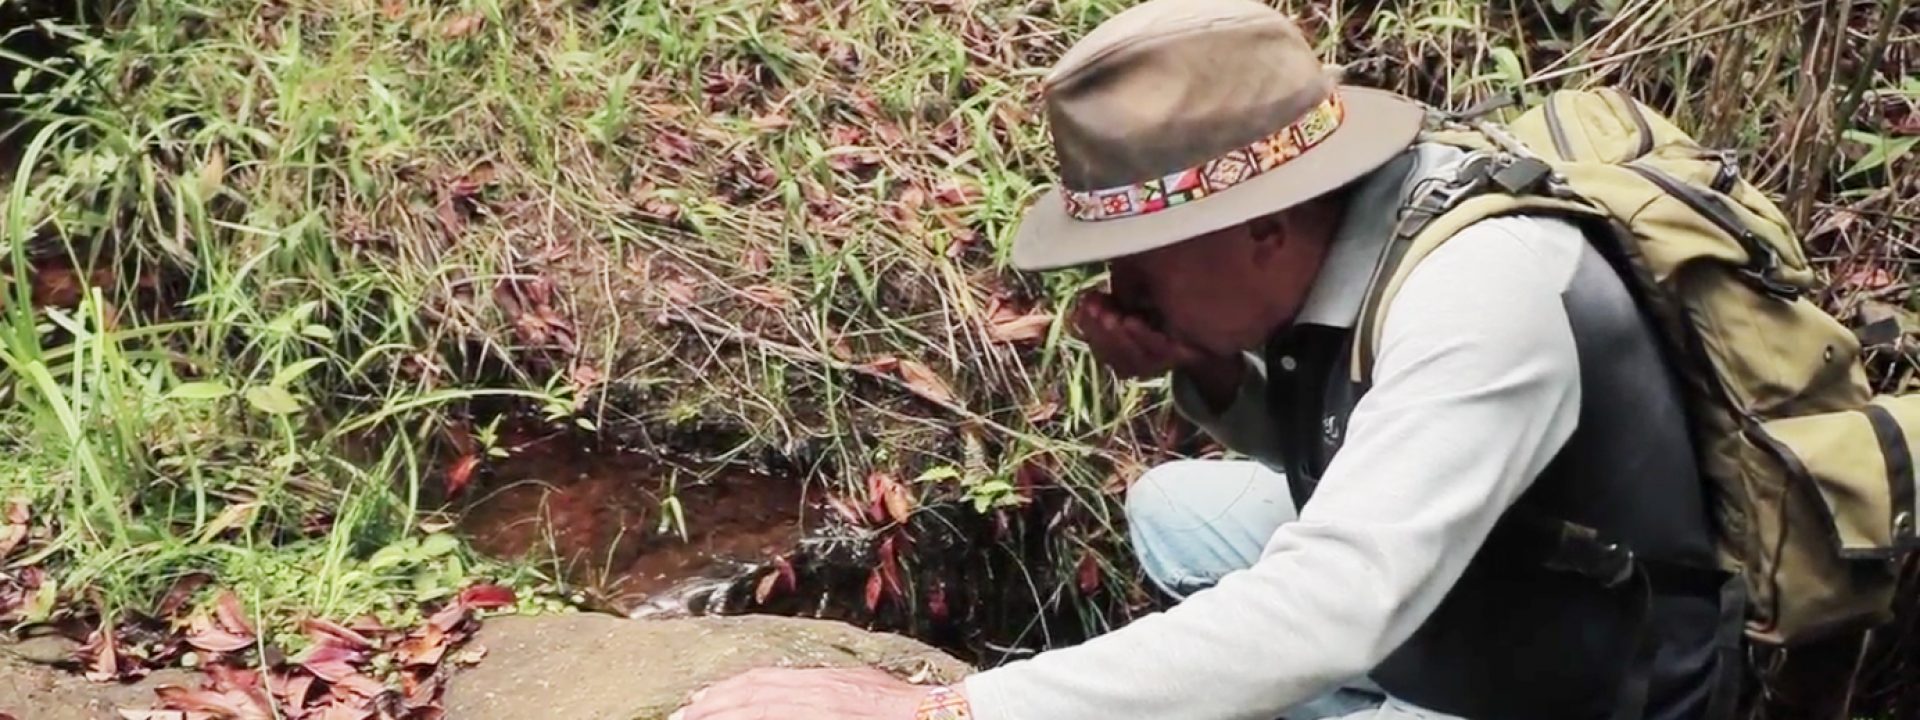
(1341, 286)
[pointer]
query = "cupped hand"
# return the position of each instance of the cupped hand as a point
(818, 694)
(1127, 342)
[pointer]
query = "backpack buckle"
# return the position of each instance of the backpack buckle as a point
(1762, 270)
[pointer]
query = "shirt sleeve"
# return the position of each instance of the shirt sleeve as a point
(1245, 426)
(1476, 388)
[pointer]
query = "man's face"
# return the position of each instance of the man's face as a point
(1227, 290)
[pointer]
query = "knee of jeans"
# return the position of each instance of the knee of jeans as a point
(1155, 499)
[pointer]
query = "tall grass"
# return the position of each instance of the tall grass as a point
(745, 231)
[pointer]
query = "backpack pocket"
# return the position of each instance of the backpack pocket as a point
(1860, 465)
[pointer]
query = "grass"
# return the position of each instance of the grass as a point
(323, 238)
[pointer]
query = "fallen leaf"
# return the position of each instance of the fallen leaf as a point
(393, 9)
(487, 597)
(1089, 574)
(346, 712)
(331, 663)
(461, 25)
(1868, 278)
(425, 648)
(923, 381)
(1020, 329)
(884, 364)
(449, 617)
(673, 146)
(874, 590)
(461, 473)
(295, 690)
(326, 632)
(899, 503)
(1042, 411)
(955, 191)
(232, 704)
(101, 654)
(18, 512)
(757, 260)
(227, 610)
(680, 290)
(361, 685)
(212, 637)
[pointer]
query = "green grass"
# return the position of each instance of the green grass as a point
(337, 230)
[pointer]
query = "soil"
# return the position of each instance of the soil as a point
(600, 517)
(30, 691)
(596, 667)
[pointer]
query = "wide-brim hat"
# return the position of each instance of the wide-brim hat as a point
(1176, 118)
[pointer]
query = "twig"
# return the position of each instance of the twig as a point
(1850, 102)
(1622, 57)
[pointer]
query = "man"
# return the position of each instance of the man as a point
(1366, 562)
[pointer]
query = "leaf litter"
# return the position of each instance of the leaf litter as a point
(348, 672)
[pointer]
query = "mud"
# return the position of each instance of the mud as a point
(605, 521)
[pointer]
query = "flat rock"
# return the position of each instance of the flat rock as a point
(600, 667)
(30, 691)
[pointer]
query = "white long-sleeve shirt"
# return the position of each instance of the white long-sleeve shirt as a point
(1476, 387)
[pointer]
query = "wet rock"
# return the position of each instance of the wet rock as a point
(36, 692)
(599, 667)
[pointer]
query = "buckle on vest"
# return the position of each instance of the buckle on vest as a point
(1580, 550)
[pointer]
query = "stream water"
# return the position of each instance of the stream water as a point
(606, 521)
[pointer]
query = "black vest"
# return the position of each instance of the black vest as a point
(1514, 640)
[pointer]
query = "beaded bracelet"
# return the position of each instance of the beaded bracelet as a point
(944, 703)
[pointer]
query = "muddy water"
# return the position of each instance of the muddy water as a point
(602, 519)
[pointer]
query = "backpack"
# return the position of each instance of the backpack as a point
(1811, 472)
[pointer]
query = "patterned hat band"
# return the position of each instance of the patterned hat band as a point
(1235, 167)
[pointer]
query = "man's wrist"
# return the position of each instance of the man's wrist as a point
(944, 703)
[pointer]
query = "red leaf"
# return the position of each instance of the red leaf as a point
(1089, 574)
(339, 711)
(331, 662)
(216, 639)
(764, 590)
(231, 616)
(17, 512)
(153, 715)
(449, 617)
(361, 685)
(874, 590)
(787, 575)
(425, 648)
(295, 690)
(461, 473)
(325, 632)
(487, 597)
(228, 704)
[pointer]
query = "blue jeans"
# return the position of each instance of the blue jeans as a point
(1192, 522)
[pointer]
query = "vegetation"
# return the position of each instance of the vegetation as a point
(278, 270)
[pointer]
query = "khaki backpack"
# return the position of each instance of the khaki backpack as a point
(1812, 472)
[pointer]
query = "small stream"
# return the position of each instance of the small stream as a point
(604, 521)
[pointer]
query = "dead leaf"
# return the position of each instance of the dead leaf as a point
(673, 146)
(180, 592)
(361, 685)
(1020, 329)
(874, 590)
(487, 597)
(1868, 278)
(1042, 411)
(461, 473)
(1089, 574)
(393, 9)
(462, 25)
(326, 632)
(101, 654)
(332, 663)
(899, 503)
(423, 648)
(227, 610)
(885, 364)
(679, 290)
(956, 191)
(210, 636)
(232, 704)
(923, 381)
(15, 531)
(450, 617)
(346, 712)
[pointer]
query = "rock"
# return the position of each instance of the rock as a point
(35, 692)
(600, 667)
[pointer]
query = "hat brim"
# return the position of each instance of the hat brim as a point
(1378, 126)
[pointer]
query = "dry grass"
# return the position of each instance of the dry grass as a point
(761, 232)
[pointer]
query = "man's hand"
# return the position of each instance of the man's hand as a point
(828, 694)
(1134, 348)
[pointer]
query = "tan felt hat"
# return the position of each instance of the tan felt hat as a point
(1176, 118)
